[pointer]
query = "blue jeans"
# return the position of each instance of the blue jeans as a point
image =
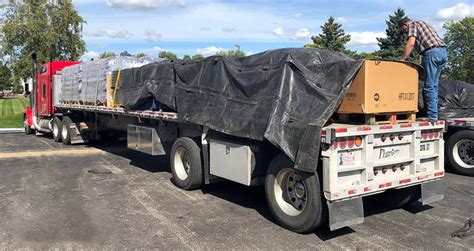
(433, 61)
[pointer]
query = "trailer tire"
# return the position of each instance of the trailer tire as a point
(28, 129)
(294, 197)
(186, 165)
(57, 129)
(460, 152)
(66, 130)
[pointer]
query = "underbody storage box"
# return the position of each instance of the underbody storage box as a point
(383, 87)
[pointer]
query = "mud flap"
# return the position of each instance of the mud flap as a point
(345, 213)
(432, 191)
(76, 136)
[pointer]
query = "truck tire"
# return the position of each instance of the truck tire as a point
(66, 130)
(398, 198)
(294, 197)
(28, 129)
(57, 129)
(186, 165)
(460, 152)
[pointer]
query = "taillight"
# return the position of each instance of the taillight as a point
(431, 134)
(400, 136)
(436, 134)
(383, 138)
(342, 143)
(425, 134)
(334, 144)
(350, 142)
(358, 141)
(392, 137)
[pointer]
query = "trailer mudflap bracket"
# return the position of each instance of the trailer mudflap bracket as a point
(432, 191)
(144, 139)
(345, 213)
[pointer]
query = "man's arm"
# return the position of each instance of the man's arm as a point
(409, 48)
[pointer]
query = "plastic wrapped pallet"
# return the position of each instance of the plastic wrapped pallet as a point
(86, 83)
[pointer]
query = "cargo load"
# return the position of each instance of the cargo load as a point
(86, 83)
(383, 87)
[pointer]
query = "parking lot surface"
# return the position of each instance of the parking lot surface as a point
(105, 196)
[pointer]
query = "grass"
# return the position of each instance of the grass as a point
(11, 112)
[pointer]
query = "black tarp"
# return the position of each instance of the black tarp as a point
(285, 96)
(455, 99)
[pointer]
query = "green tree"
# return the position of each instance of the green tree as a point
(107, 54)
(198, 57)
(139, 55)
(5, 77)
(237, 53)
(332, 37)
(168, 55)
(52, 29)
(125, 54)
(366, 55)
(459, 38)
(393, 45)
(187, 57)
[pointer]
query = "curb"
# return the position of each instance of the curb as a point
(11, 130)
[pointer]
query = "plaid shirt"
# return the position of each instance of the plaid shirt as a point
(426, 36)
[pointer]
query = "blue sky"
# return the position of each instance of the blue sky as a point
(205, 27)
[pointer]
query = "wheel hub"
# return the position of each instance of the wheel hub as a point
(296, 191)
(466, 151)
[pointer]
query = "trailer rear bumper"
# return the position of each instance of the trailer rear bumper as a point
(350, 211)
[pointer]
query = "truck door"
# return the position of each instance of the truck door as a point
(44, 90)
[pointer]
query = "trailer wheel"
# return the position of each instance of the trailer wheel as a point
(186, 164)
(294, 197)
(28, 129)
(460, 152)
(66, 130)
(57, 129)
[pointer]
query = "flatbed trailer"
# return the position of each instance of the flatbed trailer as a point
(356, 160)
(459, 138)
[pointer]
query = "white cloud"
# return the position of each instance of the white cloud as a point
(151, 36)
(157, 48)
(228, 29)
(456, 12)
(145, 4)
(124, 34)
(365, 38)
(279, 32)
(302, 33)
(90, 55)
(298, 15)
(205, 28)
(341, 20)
(211, 50)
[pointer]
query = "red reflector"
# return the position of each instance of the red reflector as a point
(386, 127)
(367, 189)
(431, 134)
(424, 124)
(405, 125)
(389, 184)
(341, 130)
(440, 122)
(342, 143)
(439, 174)
(364, 128)
(323, 133)
(459, 121)
(350, 142)
(404, 181)
(351, 192)
(424, 134)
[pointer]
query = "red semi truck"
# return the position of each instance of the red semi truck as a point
(404, 161)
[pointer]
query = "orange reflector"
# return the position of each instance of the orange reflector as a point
(358, 141)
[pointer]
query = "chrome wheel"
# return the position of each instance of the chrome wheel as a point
(290, 191)
(55, 130)
(181, 163)
(64, 132)
(463, 153)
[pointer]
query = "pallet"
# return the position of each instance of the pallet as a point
(378, 119)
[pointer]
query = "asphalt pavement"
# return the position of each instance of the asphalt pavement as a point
(106, 196)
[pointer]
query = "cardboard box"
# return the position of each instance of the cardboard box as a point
(382, 87)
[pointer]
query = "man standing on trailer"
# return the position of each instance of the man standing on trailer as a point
(433, 49)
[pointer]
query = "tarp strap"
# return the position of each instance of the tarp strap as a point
(117, 82)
